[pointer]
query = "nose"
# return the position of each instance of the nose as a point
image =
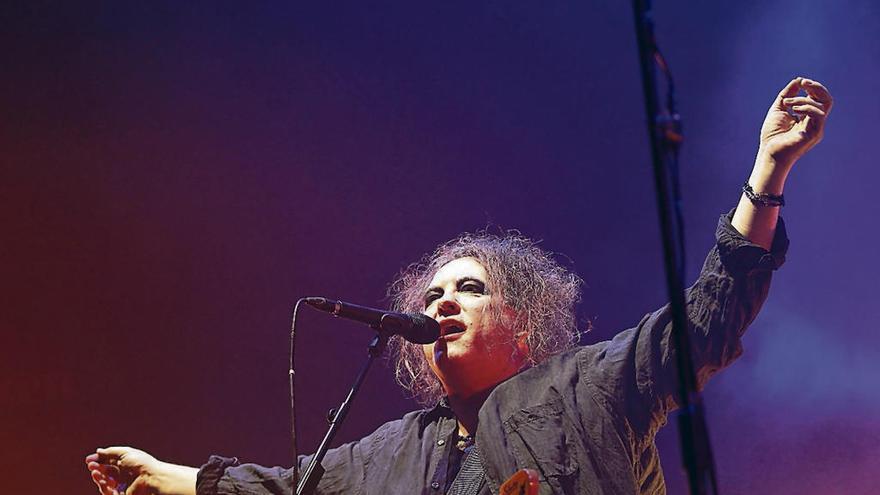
(447, 307)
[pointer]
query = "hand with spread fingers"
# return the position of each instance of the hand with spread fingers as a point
(128, 471)
(795, 122)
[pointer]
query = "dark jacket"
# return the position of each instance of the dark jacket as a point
(585, 419)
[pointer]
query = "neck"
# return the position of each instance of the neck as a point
(467, 409)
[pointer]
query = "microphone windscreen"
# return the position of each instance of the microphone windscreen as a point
(425, 330)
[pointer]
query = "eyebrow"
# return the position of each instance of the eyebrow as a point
(457, 283)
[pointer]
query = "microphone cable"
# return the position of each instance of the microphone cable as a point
(291, 378)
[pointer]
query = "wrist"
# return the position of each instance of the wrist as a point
(769, 174)
(174, 479)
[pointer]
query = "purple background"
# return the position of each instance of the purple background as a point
(174, 177)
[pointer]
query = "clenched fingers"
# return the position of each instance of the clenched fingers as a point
(802, 100)
(107, 485)
(810, 110)
(818, 92)
(107, 469)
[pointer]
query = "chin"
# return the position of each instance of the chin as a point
(451, 355)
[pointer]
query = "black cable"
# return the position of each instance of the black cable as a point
(674, 134)
(291, 378)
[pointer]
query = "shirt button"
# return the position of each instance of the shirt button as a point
(441, 442)
(435, 485)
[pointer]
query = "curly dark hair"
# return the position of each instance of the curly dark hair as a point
(528, 280)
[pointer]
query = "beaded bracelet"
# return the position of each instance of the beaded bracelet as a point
(761, 199)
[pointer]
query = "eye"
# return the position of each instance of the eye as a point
(472, 286)
(432, 296)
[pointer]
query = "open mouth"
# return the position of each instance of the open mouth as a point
(451, 329)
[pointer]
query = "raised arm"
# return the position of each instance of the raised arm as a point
(793, 125)
(637, 368)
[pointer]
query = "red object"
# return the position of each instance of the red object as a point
(523, 482)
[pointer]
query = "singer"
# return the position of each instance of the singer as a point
(505, 386)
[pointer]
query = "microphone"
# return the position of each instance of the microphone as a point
(414, 327)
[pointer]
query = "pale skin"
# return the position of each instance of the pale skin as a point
(784, 139)
(469, 364)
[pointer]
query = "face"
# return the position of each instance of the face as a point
(473, 352)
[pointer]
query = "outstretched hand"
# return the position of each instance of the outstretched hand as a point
(129, 471)
(116, 468)
(794, 123)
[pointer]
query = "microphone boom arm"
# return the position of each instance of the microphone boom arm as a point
(315, 470)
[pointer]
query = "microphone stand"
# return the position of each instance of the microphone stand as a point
(315, 470)
(664, 128)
